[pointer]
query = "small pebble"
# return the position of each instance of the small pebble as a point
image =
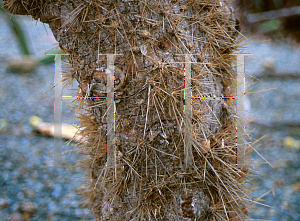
(4, 203)
(28, 193)
(24, 64)
(272, 212)
(8, 165)
(27, 207)
(16, 217)
(269, 63)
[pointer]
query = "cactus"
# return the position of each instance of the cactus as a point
(174, 150)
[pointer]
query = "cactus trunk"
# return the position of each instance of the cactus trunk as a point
(161, 138)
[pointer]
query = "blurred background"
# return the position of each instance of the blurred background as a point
(272, 27)
(32, 189)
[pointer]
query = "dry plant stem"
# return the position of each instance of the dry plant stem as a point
(149, 180)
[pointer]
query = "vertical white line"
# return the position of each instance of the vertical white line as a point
(240, 110)
(111, 155)
(188, 113)
(58, 113)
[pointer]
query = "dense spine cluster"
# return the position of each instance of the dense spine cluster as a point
(150, 180)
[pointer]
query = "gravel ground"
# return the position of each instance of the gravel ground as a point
(280, 182)
(33, 190)
(277, 117)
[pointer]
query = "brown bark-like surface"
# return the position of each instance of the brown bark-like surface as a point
(150, 180)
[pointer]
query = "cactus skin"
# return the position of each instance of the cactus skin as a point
(150, 181)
